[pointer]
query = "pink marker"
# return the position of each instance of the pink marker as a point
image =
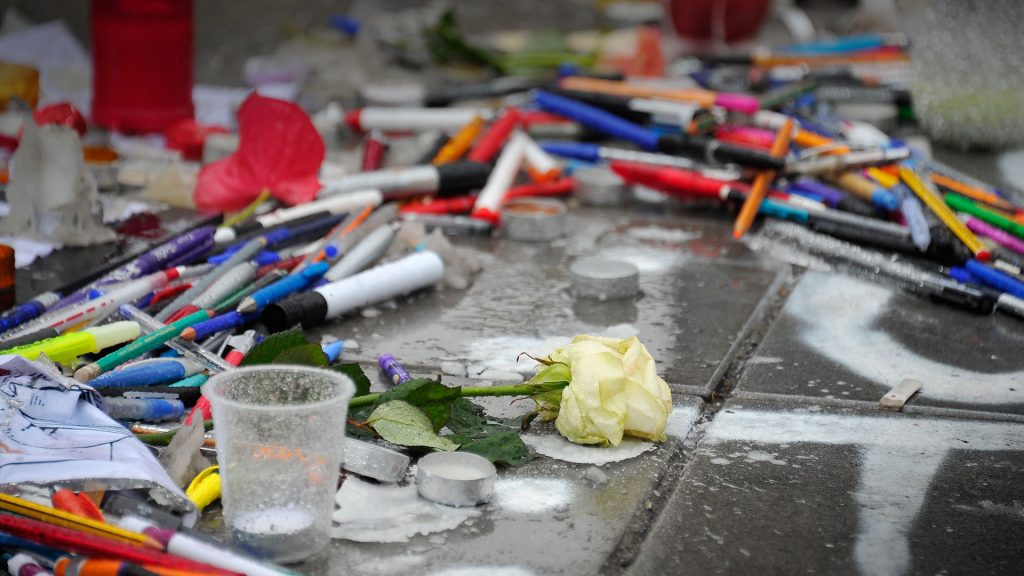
(1001, 237)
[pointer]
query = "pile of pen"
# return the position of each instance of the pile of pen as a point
(154, 329)
(66, 534)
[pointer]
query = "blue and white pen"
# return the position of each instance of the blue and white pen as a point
(283, 288)
(152, 372)
(28, 311)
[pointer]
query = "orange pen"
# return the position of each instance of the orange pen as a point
(761, 182)
(971, 192)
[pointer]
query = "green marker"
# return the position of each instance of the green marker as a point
(147, 343)
(962, 204)
(67, 347)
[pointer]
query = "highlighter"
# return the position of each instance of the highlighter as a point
(69, 346)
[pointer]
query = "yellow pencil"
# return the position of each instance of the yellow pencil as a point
(764, 178)
(459, 144)
(936, 205)
(64, 519)
(883, 177)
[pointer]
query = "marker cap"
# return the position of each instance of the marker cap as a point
(461, 177)
(115, 333)
(306, 308)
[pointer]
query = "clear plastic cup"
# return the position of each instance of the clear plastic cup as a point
(280, 444)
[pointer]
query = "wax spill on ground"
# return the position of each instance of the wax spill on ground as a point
(547, 442)
(388, 513)
(661, 234)
(502, 354)
(532, 495)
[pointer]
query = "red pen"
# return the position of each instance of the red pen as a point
(288, 264)
(181, 313)
(77, 504)
(169, 292)
(490, 143)
(98, 546)
(463, 204)
(674, 181)
(373, 151)
(746, 136)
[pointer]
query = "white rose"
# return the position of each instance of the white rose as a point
(614, 390)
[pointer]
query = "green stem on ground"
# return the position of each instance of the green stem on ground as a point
(476, 391)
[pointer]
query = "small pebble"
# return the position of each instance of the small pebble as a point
(453, 369)
(595, 475)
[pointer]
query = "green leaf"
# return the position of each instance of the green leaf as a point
(468, 420)
(548, 404)
(402, 423)
(303, 355)
(267, 351)
(496, 439)
(501, 448)
(553, 372)
(549, 401)
(355, 372)
(431, 396)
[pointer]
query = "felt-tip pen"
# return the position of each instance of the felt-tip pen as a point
(283, 287)
(89, 341)
(331, 205)
(148, 409)
(701, 147)
(28, 311)
(413, 119)
(153, 372)
(452, 178)
(384, 282)
(594, 153)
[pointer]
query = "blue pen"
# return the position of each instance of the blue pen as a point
(913, 213)
(262, 259)
(708, 149)
(149, 409)
(28, 311)
(991, 277)
(148, 373)
(597, 119)
(225, 321)
(962, 275)
(783, 211)
(285, 233)
(837, 45)
(578, 150)
(282, 288)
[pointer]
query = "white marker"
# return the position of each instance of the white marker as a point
(413, 119)
(334, 205)
(488, 203)
(541, 166)
(378, 284)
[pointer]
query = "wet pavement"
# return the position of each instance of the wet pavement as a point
(779, 459)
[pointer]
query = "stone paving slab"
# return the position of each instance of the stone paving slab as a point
(846, 338)
(798, 488)
(699, 289)
(550, 516)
